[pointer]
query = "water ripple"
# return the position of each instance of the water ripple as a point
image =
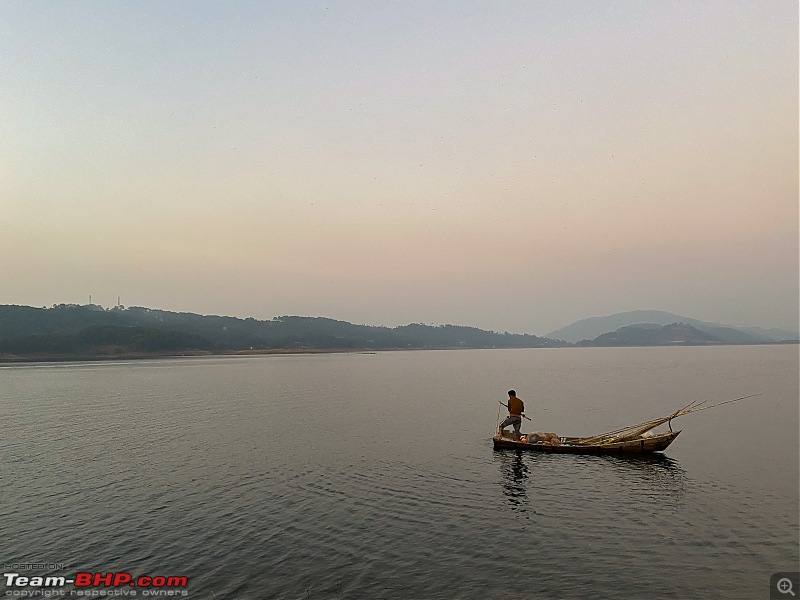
(207, 469)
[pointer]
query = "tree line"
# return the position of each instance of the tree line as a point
(65, 329)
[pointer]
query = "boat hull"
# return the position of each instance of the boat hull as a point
(643, 445)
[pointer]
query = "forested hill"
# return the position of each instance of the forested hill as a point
(25, 330)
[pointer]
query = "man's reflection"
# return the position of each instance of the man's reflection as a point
(514, 473)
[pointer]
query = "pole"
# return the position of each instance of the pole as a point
(498, 415)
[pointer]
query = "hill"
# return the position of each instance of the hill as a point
(594, 326)
(66, 329)
(652, 334)
(103, 339)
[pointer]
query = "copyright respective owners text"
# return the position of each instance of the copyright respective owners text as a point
(54, 580)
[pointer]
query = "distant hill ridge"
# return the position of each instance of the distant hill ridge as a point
(591, 328)
(26, 330)
(651, 334)
(92, 331)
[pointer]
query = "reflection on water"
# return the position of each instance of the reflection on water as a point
(654, 477)
(648, 479)
(514, 473)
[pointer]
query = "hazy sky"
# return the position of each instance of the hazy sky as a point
(508, 165)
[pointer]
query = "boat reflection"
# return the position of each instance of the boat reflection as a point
(656, 477)
(647, 479)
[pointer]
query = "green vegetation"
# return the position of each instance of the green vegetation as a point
(650, 334)
(71, 329)
(80, 331)
(103, 339)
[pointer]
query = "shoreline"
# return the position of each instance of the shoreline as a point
(14, 359)
(11, 359)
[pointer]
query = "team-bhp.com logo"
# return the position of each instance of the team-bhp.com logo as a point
(88, 584)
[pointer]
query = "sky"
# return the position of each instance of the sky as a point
(514, 166)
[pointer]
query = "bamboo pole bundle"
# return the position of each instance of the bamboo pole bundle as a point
(634, 431)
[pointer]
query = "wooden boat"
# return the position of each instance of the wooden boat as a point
(630, 440)
(572, 445)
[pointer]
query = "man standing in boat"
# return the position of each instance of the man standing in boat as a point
(516, 408)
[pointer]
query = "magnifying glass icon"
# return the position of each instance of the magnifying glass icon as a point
(785, 586)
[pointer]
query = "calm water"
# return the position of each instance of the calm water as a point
(373, 475)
